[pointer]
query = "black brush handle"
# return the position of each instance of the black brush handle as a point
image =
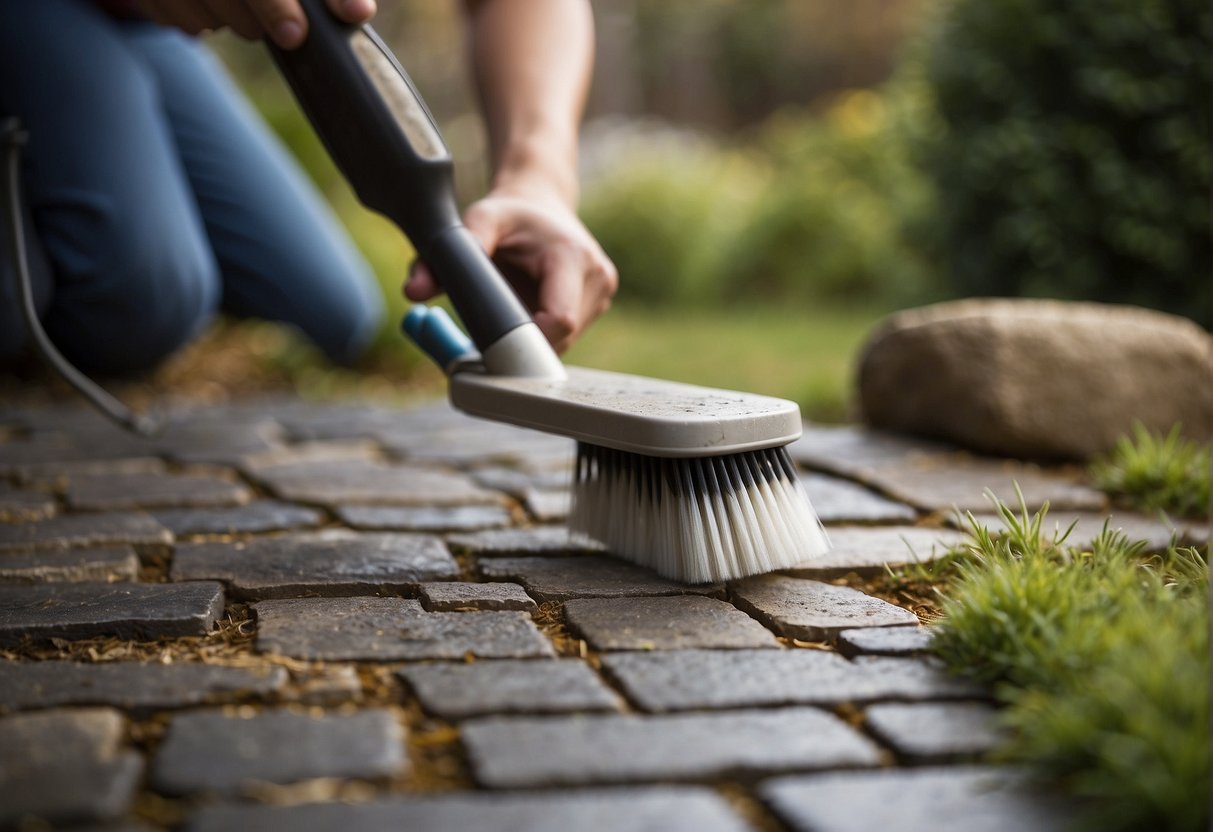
(381, 135)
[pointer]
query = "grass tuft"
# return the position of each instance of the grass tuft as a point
(1152, 472)
(1100, 653)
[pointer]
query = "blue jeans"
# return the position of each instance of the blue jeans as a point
(157, 197)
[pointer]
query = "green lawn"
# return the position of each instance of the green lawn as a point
(805, 354)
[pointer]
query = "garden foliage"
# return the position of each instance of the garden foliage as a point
(1071, 151)
(1101, 654)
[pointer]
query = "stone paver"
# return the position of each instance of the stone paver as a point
(308, 452)
(259, 516)
(452, 596)
(425, 518)
(80, 530)
(593, 576)
(851, 450)
(392, 629)
(65, 767)
(487, 443)
(814, 611)
(707, 679)
(517, 482)
(48, 684)
(884, 641)
(111, 492)
(842, 501)
(524, 752)
(660, 809)
(105, 564)
(333, 483)
(939, 799)
(18, 504)
(324, 563)
(936, 731)
(868, 550)
(214, 752)
(58, 473)
(90, 610)
(456, 691)
(538, 540)
(664, 623)
(547, 506)
(947, 484)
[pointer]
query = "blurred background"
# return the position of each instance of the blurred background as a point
(771, 177)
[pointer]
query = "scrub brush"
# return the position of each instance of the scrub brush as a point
(694, 482)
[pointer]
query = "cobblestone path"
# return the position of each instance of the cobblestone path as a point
(281, 615)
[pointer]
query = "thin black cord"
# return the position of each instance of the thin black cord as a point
(13, 138)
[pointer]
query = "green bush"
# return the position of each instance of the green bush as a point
(668, 216)
(1071, 149)
(832, 225)
(1151, 472)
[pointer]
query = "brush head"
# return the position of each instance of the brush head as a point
(697, 519)
(631, 413)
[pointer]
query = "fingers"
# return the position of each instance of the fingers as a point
(420, 285)
(283, 21)
(187, 16)
(353, 11)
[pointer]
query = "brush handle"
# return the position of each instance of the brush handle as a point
(380, 133)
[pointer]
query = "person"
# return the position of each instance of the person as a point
(155, 197)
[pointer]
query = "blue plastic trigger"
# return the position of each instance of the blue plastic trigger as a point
(437, 335)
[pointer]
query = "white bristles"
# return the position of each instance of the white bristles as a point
(700, 519)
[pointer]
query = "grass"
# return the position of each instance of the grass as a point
(1152, 472)
(802, 353)
(1101, 654)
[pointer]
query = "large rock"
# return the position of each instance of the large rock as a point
(1036, 378)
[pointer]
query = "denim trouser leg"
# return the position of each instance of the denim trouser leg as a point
(157, 196)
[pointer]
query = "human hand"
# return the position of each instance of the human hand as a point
(555, 266)
(282, 20)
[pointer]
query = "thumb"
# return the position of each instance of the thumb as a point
(420, 284)
(353, 11)
(485, 224)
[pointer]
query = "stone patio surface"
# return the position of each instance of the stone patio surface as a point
(282, 615)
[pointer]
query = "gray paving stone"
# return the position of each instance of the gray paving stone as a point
(17, 504)
(659, 809)
(1157, 532)
(517, 482)
(488, 443)
(48, 684)
(954, 799)
(850, 450)
(337, 423)
(332, 483)
(425, 518)
(664, 623)
(106, 564)
(73, 531)
(44, 453)
(334, 562)
(451, 596)
(536, 540)
(939, 484)
(547, 506)
(91, 610)
(359, 450)
(884, 641)
(59, 473)
(842, 501)
(707, 679)
(936, 731)
(110, 492)
(216, 443)
(592, 576)
(525, 752)
(868, 550)
(814, 611)
(456, 691)
(214, 752)
(259, 516)
(392, 629)
(65, 767)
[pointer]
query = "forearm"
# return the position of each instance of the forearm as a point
(532, 61)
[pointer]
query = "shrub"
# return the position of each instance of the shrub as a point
(1157, 473)
(1072, 149)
